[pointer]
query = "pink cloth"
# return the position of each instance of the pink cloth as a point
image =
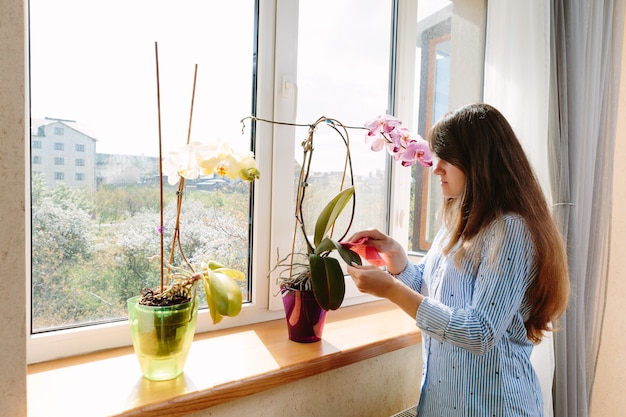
(368, 253)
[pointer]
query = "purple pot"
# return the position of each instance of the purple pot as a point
(305, 318)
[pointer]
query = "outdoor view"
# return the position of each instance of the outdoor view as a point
(94, 145)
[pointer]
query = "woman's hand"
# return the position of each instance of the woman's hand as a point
(390, 250)
(371, 280)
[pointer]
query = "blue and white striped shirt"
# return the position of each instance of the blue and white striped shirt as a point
(476, 354)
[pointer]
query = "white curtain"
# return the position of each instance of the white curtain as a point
(517, 80)
(586, 44)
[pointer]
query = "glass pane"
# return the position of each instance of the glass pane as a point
(432, 101)
(343, 73)
(94, 107)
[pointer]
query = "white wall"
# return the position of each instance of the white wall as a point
(382, 386)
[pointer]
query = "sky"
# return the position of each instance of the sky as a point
(100, 70)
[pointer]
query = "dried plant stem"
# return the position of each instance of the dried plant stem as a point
(193, 96)
(181, 188)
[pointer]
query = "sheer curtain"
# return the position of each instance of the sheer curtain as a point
(552, 68)
(517, 80)
(586, 44)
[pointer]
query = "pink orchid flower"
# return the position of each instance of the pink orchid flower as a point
(417, 150)
(382, 124)
(387, 132)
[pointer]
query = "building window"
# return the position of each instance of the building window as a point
(79, 176)
(36, 159)
(59, 176)
(59, 161)
(80, 147)
(59, 131)
(80, 162)
(59, 146)
(36, 144)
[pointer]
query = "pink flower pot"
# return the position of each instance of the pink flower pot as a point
(305, 318)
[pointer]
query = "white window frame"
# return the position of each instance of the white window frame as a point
(272, 197)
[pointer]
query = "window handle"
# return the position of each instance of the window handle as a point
(287, 85)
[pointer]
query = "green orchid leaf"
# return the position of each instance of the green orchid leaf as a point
(346, 254)
(329, 214)
(232, 273)
(226, 294)
(327, 280)
(349, 256)
(215, 316)
(215, 265)
(327, 244)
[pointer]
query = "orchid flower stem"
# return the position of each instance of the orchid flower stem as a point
(176, 243)
(307, 147)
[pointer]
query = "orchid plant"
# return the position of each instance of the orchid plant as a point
(178, 282)
(316, 270)
(223, 293)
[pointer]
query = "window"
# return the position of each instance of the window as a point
(330, 74)
(36, 144)
(433, 57)
(282, 62)
(449, 70)
(36, 159)
(59, 131)
(88, 266)
(59, 160)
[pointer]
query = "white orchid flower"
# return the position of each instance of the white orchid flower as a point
(247, 168)
(196, 159)
(182, 163)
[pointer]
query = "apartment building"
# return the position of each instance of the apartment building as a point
(64, 152)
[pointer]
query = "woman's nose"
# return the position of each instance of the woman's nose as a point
(437, 168)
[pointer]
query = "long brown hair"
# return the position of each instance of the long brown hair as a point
(479, 141)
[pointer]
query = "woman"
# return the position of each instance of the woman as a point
(494, 280)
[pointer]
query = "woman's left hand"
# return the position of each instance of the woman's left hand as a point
(371, 280)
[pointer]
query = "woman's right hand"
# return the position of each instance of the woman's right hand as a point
(390, 250)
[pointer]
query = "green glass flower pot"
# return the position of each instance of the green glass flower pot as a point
(162, 337)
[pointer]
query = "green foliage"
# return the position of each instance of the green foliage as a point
(116, 203)
(62, 239)
(99, 261)
(327, 280)
(331, 212)
(222, 291)
(323, 273)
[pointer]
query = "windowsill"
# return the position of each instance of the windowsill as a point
(222, 366)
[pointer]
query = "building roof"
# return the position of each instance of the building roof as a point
(36, 123)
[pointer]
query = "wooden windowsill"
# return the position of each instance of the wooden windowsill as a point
(222, 366)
